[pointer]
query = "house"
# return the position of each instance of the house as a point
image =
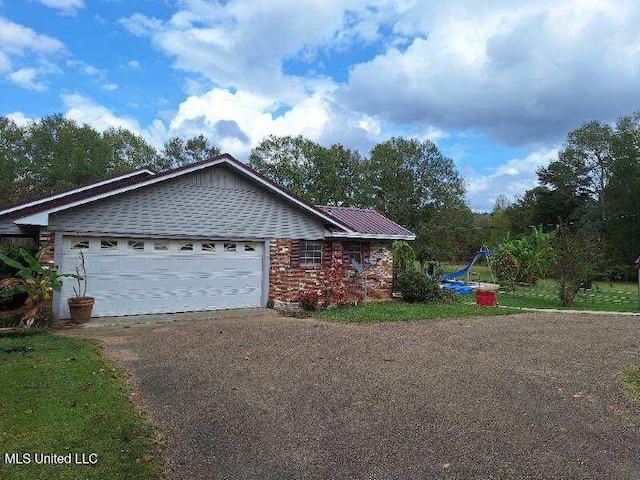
(209, 235)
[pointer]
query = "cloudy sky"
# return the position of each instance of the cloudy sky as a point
(497, 84)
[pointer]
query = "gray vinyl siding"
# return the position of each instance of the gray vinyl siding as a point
(7, 227)
(214, 203)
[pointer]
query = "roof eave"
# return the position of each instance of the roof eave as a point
(21, 206)
(372, 236)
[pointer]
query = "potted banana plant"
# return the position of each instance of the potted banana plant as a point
(80, 306)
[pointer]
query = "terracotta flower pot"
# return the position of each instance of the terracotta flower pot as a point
(80, 309)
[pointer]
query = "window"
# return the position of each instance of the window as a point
(209, 247)
(186, 247)
(310, 252)
(249, 248)
(111, 245)
(161, 246)
(355, 252)
(229, 247)
(77, 244)
(135, 246)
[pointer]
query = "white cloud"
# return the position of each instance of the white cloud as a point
(64, 7)
(511, 179)
(26, 78)
(86, 68)
(20, 44)
(240, 120)
(16, 39)
(370, 125)
(521, 72)
(245, 44)
(133, 64)
(5, 63)
(84, 110)
(110, 87)
(20, 118)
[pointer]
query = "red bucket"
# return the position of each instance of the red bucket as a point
(487, 299)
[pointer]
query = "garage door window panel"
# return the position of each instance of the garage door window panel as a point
(208, 247)
(108, 245)
(186, 247)
(79, 244)
(161, 246)
(135, 246)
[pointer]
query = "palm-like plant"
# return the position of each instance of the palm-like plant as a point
(37, 281)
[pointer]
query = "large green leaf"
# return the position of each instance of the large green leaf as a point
(11, 262)
(33, 262)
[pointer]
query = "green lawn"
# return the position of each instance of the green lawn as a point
(603, 296)
(398, 311)
(62, 397)
(631, 380)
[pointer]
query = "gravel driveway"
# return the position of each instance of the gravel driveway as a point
(260, 396)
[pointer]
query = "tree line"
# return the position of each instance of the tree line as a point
(593, 186)
(408, 180)
(55, 153)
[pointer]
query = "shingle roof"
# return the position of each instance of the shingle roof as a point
(365, 220)
(359, 220)
(70, 195)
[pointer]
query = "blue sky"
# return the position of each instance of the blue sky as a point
(496, 84)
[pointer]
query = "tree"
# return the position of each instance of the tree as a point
(128, 151)
(177, 152)
(577, 259)
(415, 185)
(622, 224)
(326, 176)
(56, 153)
(13, 159)
(286, 160)
(584, 166)
(409, 180)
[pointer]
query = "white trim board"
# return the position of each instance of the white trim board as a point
(76, 190)
(371, 236)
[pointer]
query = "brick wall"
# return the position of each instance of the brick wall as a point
(47, 243)
(286, 282)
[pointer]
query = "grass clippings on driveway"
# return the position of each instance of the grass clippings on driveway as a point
(399, 311)
(60, 396)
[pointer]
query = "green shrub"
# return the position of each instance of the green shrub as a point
(404, 257)
(13, 320)
(417, 288)
(17, 300)
(505, 267)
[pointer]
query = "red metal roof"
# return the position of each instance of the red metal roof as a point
(364, 220)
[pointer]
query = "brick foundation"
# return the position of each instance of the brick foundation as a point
(286, 282)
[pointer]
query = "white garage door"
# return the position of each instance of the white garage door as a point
(129, 276)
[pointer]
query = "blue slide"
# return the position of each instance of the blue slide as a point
(452, 276)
